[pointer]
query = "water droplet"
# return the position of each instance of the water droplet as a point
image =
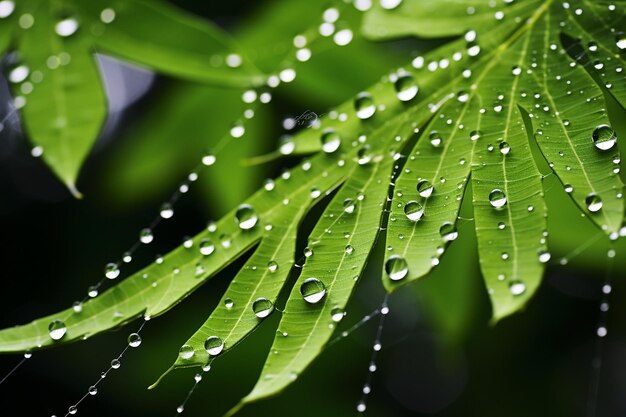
(413, 210)
(349, 249)
(18, 74)
(505, 148)
(594, 202)
(424, 188)
(312, 290)
(272, 266)
(620, 40)
(186, 352)
(396, 268)
(197, 377)
(209, 159)
(93, 390)
(206, 247)
(262, 307)
(330, 141)
(497, 198)
(568, 188)
(364, 106)
(72, 410)
(315, 192)
(604, 137)
(349, 205)
(308, 252)
(544, 256)
(406, 88)
(115, 364)
(111, 271)
(516, 70)
(228, 303)
(517, 287)
(167, 211)
(57, 329)
(448, 232)
(435, 139)
(214, 345)
(107, 15)
(66, 27)
(146, 236)
(6, 8)
(246, 217)
(343, 37)
(337, 314)
(364, 155)
(475, 135)
(237, 130)
(390, 4)
(134, 340)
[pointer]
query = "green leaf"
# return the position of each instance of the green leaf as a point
(341, 243)
(169, 40)
(65, 110)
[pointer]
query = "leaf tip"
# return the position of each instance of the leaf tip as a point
(158, 381)
(73, 190)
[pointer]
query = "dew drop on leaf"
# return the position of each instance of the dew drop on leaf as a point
(406, 88)
(111, 271)
(66, 27)
(568, 188)
(262, 307)
(364, 106)
(517, 287)
(330, 141)
(308, 252)
(246, 217)
(312, 290)
(497, 198)
(134, 340)
(604, 137)
(6, 8)
(425, 188)
(448, 232)
(186, 352)
(349, 205)
(593, 202)
(272, 266)
(337, 314)
(57, 329)
(505, 148)
(390, 4)
(206, 247)
(396, 268)
(349, 249)
(413, 210)
(544, 256)
(620, 40)
(209, 159)
(213, 345)
(435, 139)
(229, 303)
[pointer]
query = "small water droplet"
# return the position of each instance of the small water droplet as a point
(213, 345)
(349, 205)
(390, 4)
(146, 236)
(330, 141)
(396, 268)
(448, 232)
(206, 247)
(312, 290)
(66, 27)
(594, 202)
(93, 390)
(167, 211)
(517, 287)
(505, 148)
(272, 266)
(435, 139)
(262, 307)
(134, 340)
(246, 217)
(229, 303)
(186, 352)
(111, 271)
(544, 256)
(308, 252)
(115, 364)
(497, 198)
(604, 137)
(337, 314)
(620, 40)
(425, 188)
(406, 88)
(349, 249)
(364, 106)
(413, 210)
(57, 329)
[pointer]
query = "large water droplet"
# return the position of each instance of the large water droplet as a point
(349, 205)
(134, 340)
(604, 137)
(505, 148)
(435, 139)
(396, 268)
(146, 236)
(497, 198)
(517, 287)
(246, 217)
(186, 352)
(272, 266)
(111, 271)
(364, 106)
(262, 307)
(206, 247)
(6, 8)
(425, 188)
(57, 329)
(406, 88)
(594, 202)
(167, 211)
(413, 210)
(312, 290)
(544, 256)
(214, 345)
(448, 232)
(330, 141)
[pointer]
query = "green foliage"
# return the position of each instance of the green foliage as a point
(468, 121)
